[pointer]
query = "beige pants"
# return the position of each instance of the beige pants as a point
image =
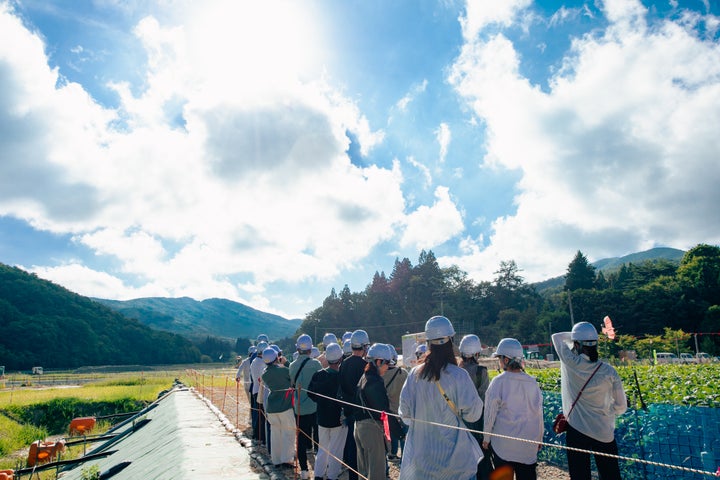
(370, 442)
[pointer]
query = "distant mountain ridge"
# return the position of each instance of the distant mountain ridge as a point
(216, 317)
(609, 265)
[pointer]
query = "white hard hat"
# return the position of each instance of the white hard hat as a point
(346, 348)
(262, 338)
(252, 350)
(314, 352)
(269, 355)
(359, 339)
(276, 348)
(394, 353)
(261, 346)
(470, 345)
(509, 347)
(584, 332)
(329, 338)
(346, 336)
(379, 351)
(333, 353)
(304, 342)
(438, 330)
(420, 349)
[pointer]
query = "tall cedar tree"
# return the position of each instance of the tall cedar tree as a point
(580, 274)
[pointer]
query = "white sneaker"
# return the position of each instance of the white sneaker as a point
(304, 475)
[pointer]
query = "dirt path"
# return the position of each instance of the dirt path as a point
(235, 410)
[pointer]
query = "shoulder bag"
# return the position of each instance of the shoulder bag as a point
(560, 424)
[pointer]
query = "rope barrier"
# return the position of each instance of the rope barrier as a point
(481, 432)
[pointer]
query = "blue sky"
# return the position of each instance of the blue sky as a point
(267, 152)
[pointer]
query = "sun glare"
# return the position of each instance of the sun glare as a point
(248, 40)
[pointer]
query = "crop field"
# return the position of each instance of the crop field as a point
(687, 385)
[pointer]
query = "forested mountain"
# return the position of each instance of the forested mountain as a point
(43, 324)
(193, 319)
(642, 299)
(611, 265)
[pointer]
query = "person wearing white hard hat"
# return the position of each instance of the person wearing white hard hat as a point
(301, 372)
(278, 407)
(470, 348)
(351, 370)
(369, 426)
(439, 392)
(394, 380)
(328, 339)
(513, 408)
(243, 372)
(332, 431)
(592, 397)
(257, 367)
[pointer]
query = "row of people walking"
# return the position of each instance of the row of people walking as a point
(444, 405)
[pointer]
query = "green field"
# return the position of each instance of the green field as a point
(687, 385)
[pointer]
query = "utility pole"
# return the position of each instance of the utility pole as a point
(572, 317)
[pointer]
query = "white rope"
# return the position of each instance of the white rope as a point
(534, 442)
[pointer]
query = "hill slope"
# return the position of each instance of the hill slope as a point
(43, 324)
(608, 265)
(216, 317)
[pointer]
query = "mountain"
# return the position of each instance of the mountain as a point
(44, 324)
(610, 265)
(215, 317)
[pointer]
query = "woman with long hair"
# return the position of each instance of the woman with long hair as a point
(439, 392)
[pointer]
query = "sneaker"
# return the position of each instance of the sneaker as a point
(304, 475)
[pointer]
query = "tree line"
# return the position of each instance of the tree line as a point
(43, 324)
(643, 300)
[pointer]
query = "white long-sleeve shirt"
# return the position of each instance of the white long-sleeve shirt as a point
(432, 451)
(243, 373)
(514, 407)
(257, 367)
(601, 401)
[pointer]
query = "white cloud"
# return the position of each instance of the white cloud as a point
(409, 97)
(443, 136)
(129, 182)
(480, 13)
(428, 227)
(618, 154)
(425, 171)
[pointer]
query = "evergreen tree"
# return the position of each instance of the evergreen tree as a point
(580, 274)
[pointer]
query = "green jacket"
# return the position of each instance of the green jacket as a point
(303, 404)
(277, 379)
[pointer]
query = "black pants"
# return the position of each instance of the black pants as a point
(350, 450)
(579, 463)
(304, 438)
(523, 471)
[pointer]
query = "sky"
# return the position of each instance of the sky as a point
(269, 151)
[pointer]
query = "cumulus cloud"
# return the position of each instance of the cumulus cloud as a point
(429, 227)
(620, 147)
(245, 179)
